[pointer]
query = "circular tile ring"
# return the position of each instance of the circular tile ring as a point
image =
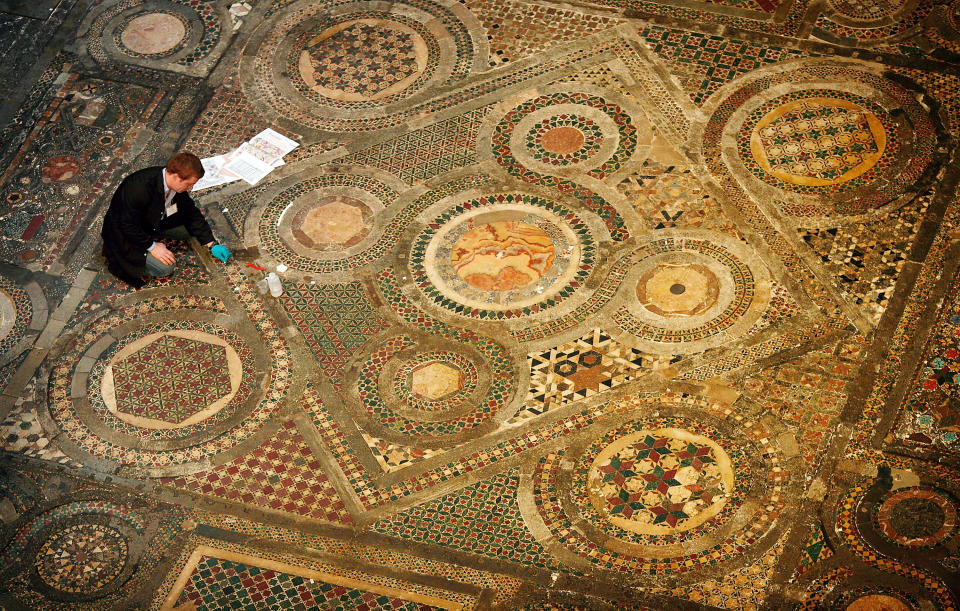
(687, 291)
(884, 512)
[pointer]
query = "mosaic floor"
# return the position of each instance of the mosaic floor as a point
(621, 304)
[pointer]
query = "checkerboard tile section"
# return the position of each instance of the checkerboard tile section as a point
(223, 584)
(281, 474)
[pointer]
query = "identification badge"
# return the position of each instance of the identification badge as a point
(171, 209)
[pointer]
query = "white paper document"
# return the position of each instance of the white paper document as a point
(213, 173)
(273, 144)
(252, 161)
(247, 166)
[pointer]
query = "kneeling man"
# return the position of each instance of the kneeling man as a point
(148, 205)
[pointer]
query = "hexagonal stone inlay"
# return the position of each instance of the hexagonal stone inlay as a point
(333, 223)
(435, 380)
(172, 379)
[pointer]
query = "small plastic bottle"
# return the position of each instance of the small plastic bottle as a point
(273, 282)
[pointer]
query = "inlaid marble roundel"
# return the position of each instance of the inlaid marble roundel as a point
(362, 59)
(8, 314)
(660, 481)
(818, 141)
(502, 256)
(153, 34)
(824, 139)
(82, 558)
(656, 495)
(346, 65)
(692, 291)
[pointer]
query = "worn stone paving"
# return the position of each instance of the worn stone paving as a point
(646, 304)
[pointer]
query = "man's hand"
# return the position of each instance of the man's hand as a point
(163, 254)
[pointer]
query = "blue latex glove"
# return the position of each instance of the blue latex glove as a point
(221, 252)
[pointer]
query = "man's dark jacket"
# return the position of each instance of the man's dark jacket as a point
(136, 218)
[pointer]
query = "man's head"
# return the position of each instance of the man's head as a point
(183, 171)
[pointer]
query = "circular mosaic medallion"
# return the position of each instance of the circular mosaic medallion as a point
(178, 35)
(8, 314)
(660, 481)
(346, 66)
(657, 495)
(562, 134)
(161, 395)
(327, 223)
(693, 292)
(431, 385)
(919, 517)
(871, 598)
(502, 256)
(82, 558)
(16, 314)
(878, 602)
(153, 34)
(813, 142)
(831, 139)
(359, 60)
(427, 391)
(866, 10)
(332, 222)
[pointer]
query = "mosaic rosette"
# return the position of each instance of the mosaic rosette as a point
(564, 134)
(691, 291)
(872, 21)
(847, 143)
(131, 389)
(176, 35)
(330, 66)
(79, 551)
(866, 11)
(502, 256)
(327, 223)
(425, 392)
(868, 598)
(82, 558)
(920, 517)
(658, 495)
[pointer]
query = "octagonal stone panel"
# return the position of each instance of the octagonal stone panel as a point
(435, 381)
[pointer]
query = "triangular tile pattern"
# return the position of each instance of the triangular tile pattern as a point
(519, 29)
(668, 196)
(481, 519)
(335, 320)
(171, 378)
(814, 550)
(866, 258)
(582, 368)
(704, 63)
(217, 583)
(282, 474)
(428, 152)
